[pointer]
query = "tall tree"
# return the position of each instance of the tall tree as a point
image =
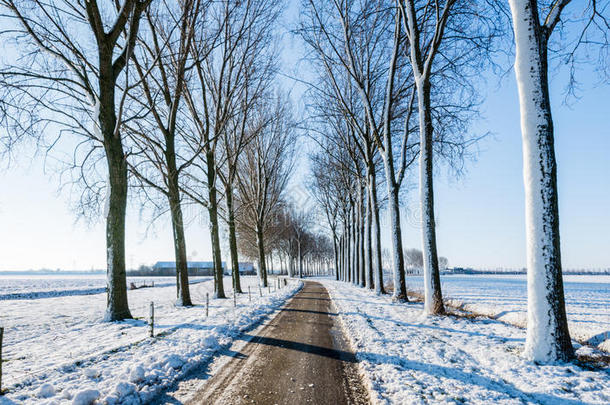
(162, 67)
(548, 337)
(254, 54)
(447, 43)
(74, 57)
(264, 170)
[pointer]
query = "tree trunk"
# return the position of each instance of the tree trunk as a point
(348, 244)
(262, 271)
(300, 258)
(117, 307)
(232, 239)
(400, 288)
(341, 257)
(548, 337)
(357, 216)
(219, 291)
(183, 294)
(336, 254)
(370, 283)
(361, 240)
(346, 274)
(379, 288)
(433, 297)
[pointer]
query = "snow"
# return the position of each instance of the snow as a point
(504, 297)
(61, 341)
(87, 397)
(45, 391)
(408, 358)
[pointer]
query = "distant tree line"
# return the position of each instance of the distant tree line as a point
(392, 98)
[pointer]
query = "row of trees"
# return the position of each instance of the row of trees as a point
(395, 91)
(175, 101)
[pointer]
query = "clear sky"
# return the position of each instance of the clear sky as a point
(480, 215)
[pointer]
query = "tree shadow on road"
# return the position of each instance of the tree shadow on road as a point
(302, 347)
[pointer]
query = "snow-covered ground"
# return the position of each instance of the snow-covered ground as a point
(57, 350)
(45, 286)
(504, 297)
(410, 359)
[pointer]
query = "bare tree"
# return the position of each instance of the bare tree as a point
(73, 57)
(300, 222)
(225, 63)
(162, 68)
(254, 53)
(548, 337)
(447, 42)
(414, 258)
(264, 170)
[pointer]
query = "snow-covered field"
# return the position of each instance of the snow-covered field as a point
(57, 350)
(410, 359)
(504, 297)
(22, 287)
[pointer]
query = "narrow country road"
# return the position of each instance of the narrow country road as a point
(300, 357)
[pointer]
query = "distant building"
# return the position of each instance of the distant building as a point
(194, 269)
(246, 268)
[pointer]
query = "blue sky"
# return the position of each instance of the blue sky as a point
(480, 215)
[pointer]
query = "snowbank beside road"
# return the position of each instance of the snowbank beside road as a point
(408, 358)
(59, 352)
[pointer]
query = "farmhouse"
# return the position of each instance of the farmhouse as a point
(199, 268)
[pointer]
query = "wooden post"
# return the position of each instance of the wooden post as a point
(207, 304)
(1, 337)
(152, 319)
(269, 288)
(260, 290)
(234, 299)
(249, 295)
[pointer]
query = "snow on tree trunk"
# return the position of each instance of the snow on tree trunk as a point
(361, 252)
(356, 242)
(377, 232)
(548, 337)
(400, 287)
(433, 297)
(370, 283)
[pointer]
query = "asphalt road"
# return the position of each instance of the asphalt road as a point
(300, 357)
